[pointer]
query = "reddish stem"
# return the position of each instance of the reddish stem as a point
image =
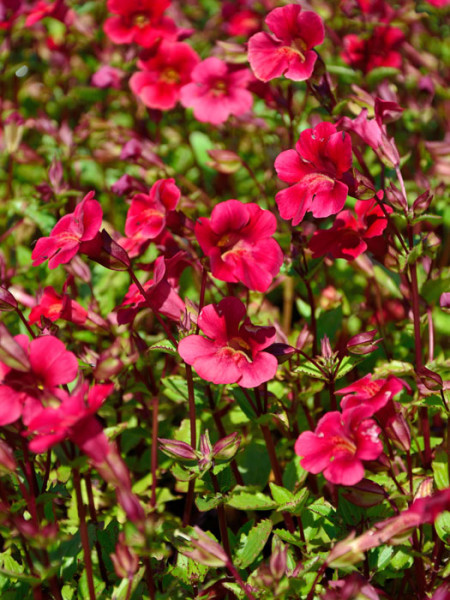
(84, 535)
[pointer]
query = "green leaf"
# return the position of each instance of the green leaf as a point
(189, 571)
(83, 590)
(166, 346)
(394, 367)
(250, 499)
(243, 403)
(384, 556)
(442, 526)
(440, 470)
(309, 369)
(348, 363)
(120, 592)
(380, 74)
(280, 494)
(256, 540)
(208, 503)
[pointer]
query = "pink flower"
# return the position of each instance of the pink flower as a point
(57, 10)
(163, 75)
(216, 91)
(54, 307)
(160, 291)
(373, 393)
(318, 167)
(67, 235)
(238, 240)
(147, 213)
(339, 445)
(380, 50)
(231, 352)
(139, 21)
(107, 77)
(288, 52)
(349, 236)
(10, 10)
(45, 364)
(73, 419)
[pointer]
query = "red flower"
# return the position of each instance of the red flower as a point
(231, 353)
(216, 92)
(67, 235)
(240, 22)
(288, 52)
(317, 167)
(54, 307)
(160, 290)
(147, 213)
(106, 77)
(380, 50)
(58, 10)
(139, 21)
(349, 236)
(44, 364)
(238, 240)
(73, 419)
(163, 75)
(339, 445)
(10, 10)
(372, 393)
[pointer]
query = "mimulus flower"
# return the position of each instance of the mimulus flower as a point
(318, 166)
(339, 445)
(288, 52)
(163, 75)
(238, 240)
(372, 393)
(54, 306)
(231, 352)
(69, 232)
(139, 21)
(147, 213)
(46, 364)
(349, 236)
(216, 91)
(380, 50)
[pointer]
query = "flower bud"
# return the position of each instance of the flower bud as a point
(124, 559)
(7, 300)
(206, 451)
(363, 343)
(7, 460)
(11, 353)
(422, 203)
(431, 380)
(444, 301)
(227, 447)
(282, 352)
(104, 250)
(224, 161)
(366, 493)
(12, 132)
(177, 449)
(278, 561)
(396, 198)
(55, 174)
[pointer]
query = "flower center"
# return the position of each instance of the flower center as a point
(141, 20)
(240, 347)
(342, 445)
(68, 236)
(219, 88)
(169, 75)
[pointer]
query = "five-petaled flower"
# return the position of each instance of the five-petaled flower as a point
(40, 366)
(372, 393)
(163, 74)
(139, 21)
(318, 168)
(147, 213)
(350, 236)
(339, 445)
(69, 233)
(379, 50)
(232, 352)
(216, 91)
(288, 52)
(238, 240)
(54, 306)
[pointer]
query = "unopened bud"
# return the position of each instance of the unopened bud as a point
(278, 561)
(177, 449)
(431, 380)
(11, 352)
(206, 451)
(7, 300)
(104, 250)
(12, 132)
(326, 349)
(125, 561)
(366, 493)
(7, 460)
(396, 198)
(444, 301)
(282, 352)
(227, 447)
(224, 161)
(422, 203)
(363, 343)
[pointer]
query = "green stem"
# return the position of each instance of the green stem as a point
(84, 535)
